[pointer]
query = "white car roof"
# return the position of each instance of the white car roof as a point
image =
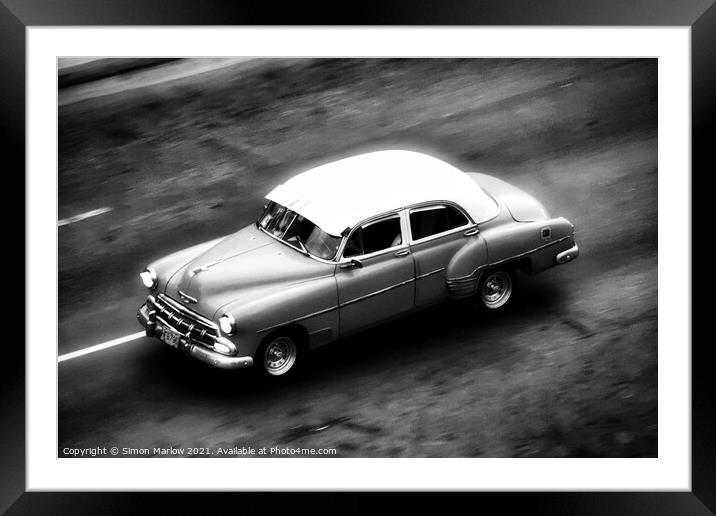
(343, 193)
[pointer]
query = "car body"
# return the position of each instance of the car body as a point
(346, 246)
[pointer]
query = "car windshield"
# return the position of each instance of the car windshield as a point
(298, 231)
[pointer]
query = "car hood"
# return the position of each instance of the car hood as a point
(240, 262)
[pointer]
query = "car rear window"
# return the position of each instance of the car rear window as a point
(435, 220)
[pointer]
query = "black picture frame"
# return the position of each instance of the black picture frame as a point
(17, 15)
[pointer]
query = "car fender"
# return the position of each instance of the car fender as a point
(520, 239)
(311, 306)
(461, 274)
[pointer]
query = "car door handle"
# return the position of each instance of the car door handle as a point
(402, 252)
(471, 231)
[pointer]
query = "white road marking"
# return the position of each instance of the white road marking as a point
(100, 347)
(82, 216)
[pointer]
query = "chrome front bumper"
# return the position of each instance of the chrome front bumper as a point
(154, 329)
(568, 255)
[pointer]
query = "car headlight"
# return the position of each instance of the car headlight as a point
(149, 277)
(226, 323)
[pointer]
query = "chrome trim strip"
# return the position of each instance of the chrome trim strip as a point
(209, 265)
(321, 312)
(449, 232)
(327, 328)
(187, 297)
(381, 291)
(374, 254)
(297, 319)
(161, 320)
(510, 258)
(430, 273)
(326, 310)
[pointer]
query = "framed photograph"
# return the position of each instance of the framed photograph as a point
(409, 251)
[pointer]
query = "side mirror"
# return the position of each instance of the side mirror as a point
(353, 264)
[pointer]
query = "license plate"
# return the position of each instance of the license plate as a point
(170, 337)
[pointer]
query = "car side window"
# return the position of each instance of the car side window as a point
(354, 246)
(430, 221)
(374, 237)
(456, 218)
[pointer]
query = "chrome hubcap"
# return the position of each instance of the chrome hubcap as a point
(497, 289)
(280, 356)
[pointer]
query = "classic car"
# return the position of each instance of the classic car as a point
(346, 246)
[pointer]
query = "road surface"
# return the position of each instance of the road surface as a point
(568, 370)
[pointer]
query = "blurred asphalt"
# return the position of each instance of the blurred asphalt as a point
(569, 369)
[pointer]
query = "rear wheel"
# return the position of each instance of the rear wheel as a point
(278, 355)
(496, 288)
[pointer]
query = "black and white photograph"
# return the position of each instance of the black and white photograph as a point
(425, 249)
(350, 257)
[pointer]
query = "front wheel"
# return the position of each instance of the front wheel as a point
(496, 288)
(278, 355)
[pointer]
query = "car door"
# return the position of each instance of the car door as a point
(437, 232)
(376, 274)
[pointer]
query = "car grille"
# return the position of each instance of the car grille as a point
(198, 328)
